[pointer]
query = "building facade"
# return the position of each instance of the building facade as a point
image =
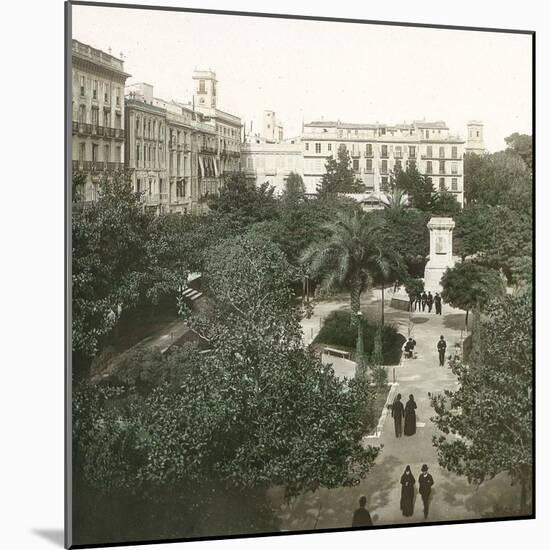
(377, 150)
(177, 154)
(271, 162)
(98, 80)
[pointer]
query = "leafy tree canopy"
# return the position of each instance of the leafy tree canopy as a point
(339, 176)
(487, 423)
(418, 187)
(522, 145)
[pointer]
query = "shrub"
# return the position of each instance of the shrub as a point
(379, 376)
(337, 331)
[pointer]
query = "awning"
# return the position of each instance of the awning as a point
(201, 166)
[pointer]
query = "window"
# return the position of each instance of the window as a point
(368, 150)
(384, 150)
(202, 86)
(340, 133)
(429, 152)
(454, 152)
(412, 151)
(82, 85)
(82, 113)
(397, 165)
(107, 153)
(118, 121)
(94, 89)
(454, 168)
(454, 184)
(95, 152)
(442, 152)
(427, 134)
(307, 146)
(429, 169)
(382, 131)
(477, 133)
(117, 94)
(329, 146)
(442, 184)
(441, 166)
(384, 183)
(369, 165)
(82, 152)
(384, 168)
(356, 132)
(118, 157)
(356, 165)
(137, 126)
(107, 92)
(137, 152)
(397, 153)
(95, 116)
(317, 147)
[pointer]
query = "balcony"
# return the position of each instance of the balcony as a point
(85, 129)
(97, 166)
(368, 154)
(208, 150)
(355, 154)
(384, 155)
(398, 154)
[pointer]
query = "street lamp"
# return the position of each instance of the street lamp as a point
(360, 345)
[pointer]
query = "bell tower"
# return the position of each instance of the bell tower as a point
(474, 140)
(206, 89)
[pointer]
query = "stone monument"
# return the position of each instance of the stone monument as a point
(441, 252)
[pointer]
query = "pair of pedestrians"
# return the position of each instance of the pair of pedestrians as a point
(404, 413)
(425, 483)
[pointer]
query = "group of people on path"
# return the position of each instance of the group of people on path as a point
(420, 301)
(405, 412)
(362, 517)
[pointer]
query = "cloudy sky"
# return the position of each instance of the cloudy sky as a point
(308, 70)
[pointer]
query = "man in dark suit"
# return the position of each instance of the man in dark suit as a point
(441, 348)
(361, 516)
(398, 412)
(424, 300)
(437, 302)
(425, 482)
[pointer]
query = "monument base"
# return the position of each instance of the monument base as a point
(400, 300)
(432, 278)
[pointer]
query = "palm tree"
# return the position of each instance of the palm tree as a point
(350, 256)
(396, 201)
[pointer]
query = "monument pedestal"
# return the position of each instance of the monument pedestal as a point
(441, 253)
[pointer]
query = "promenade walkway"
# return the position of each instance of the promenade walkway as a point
(453, 498)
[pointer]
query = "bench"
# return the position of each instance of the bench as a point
(337, 352)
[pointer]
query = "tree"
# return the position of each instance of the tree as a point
(351, 254)
(243, 202)
(499, 179)
(397, 200)
(112, 263)
(522, 145)
(339, 176)
(470, 286)
(498, 237)
(445, 204)
(419, 188)
(487, 423)
(294, 191)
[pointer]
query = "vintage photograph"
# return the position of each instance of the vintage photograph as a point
(300, 274)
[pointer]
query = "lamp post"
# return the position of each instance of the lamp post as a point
(360, 345)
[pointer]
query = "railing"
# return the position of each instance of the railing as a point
(85, 128)
(384, 155)
(97, 166)
(207, 149)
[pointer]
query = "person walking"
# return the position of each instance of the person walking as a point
(430, 302)
(441, 348)
(361, 516)
(437, 302)
(398, 412)
(410, 416)
(417, 301)
(425, 482)
(424, 299)
(407, 492)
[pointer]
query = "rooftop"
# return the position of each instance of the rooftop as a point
(85, 51)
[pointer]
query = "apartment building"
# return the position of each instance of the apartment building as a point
(377, 150)
(271, 162)
(177, 154)
(98, 80)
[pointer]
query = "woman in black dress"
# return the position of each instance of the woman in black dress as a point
(407, 492)
(410, 416)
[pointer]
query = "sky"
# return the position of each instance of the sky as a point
(314, 70)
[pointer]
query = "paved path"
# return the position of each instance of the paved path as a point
(453, 498)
